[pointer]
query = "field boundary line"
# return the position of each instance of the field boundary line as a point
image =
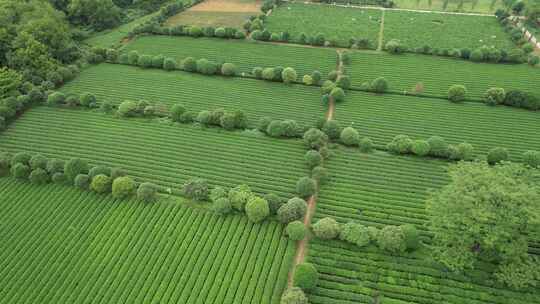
(391, 9)
(381, 32)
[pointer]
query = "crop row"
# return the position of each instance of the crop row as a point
(383, 117)
(244, 54)
(352, 275)
(162, 153)
(437, 74)
(117, 83)
(67, 246)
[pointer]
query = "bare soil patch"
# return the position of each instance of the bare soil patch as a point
(229, 13)
(238, 6)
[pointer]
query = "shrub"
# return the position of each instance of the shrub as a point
(395, 47)
(293, 210)
(343, 82)
(494, 96)
(149, 111)
(127, 108)
(516, 56)
(263, 123)
(204, 118)
(74, 167)
(220, 32)
(38, 161)
(82, 181)
(157, 61)
(533, 60)
(97, 170)
(354, 233)
(315, 138)
(20, 171)
(333, 129)
(101, 184)
(532, 158)
(320, 174)
(326, 228)
(305, 276)
(56, 98)
(332, 75)
(39, 176)
(257, 209)
(289, 75)
(123, 187)
(306, 187)
(366, 145)
(296, 230)
(420, 147)
(379, 85)
(228, 121)
(59, 178)
(133, 57)
(463, 151)
(196, 189)
(147, 192)
(72, 100)
(22, 158)
(274, 202)
(313, 158)
(195, 31)
(169, 64)
(88, 100)
(188, 64)
(294, 295)
(257, 72)
(145, 61)
(401, 144)
(106, 106)
(327, 87)
(275, 129)
(206, 67)
(268, 74)
(338, 94)
(411, 236)
(438, 147)
(457, 93)
(391, 239)
(222, 206)
(240, 196)
(228, 69)
(350, 137)
(176, 112)
(496, 155)
(307, 80)
(317, 77)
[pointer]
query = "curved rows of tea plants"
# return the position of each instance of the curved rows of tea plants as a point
(244, 54)
(162, 153)
(445, 30)
(379, 189)
(62, 245)
(366, 275)
(381, 117)
(437, 74)
(256, 98)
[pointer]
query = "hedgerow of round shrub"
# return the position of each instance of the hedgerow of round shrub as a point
(456, 93)
(355, 233)
(59, 178)
(293, 210)
(307, 80)
(39, 176)
(401, 144)
(420, 147)
(289, 75)
(82, 181)
(157, 61)
(257, 209)
(127, 108)
(145, 61)
(133, 57)
(394, 46)
(176, 112)
(169, 64)
(275, 129)
(56, 98)
(313, 158)
(343, 81)
(240, 196)
(296, 230)
(326, 228)
(438, 147)
(496, 155)
(88, 100)
(222, 206)
(20, 171)
(196, 189)
(274, 202)
(189, 64)
(350, 137)
(290, 128)
(101, 184)
(228, 69)
(38, 161)
(195, 31)
(22, 158)
(123, 187)
(294, 295)
(257, 72)
(268, 74)
(391, 239)
(206, 67)
(337, 94)
(305, 276)
(327, 87)
(532, 158)
(306, 187)
(333, 129)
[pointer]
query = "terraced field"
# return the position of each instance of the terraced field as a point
(246, 55)
(366, 275)
(468, 6)
(445, 31)
(62, 245)
(165, 154)
(381, 117)
(437, 74)
(337, 24)
(256, 98)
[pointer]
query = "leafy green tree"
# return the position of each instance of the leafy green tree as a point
(497, 155)
(229, 69)
(296, 230)
(56, 98)
(123, 187)
(101, 184)
(275, 129)
(274, 202)
(313, 158)
(333, 129)
(366, 145)
(294, 295)
(401, 144)
(315, 138)
(379, 85)
(169, 64)
(240, 196)
(289, 75)
(457, 93)
(196, 189)
(306, 187)
(20, 171)
(39, 176)
(355, 233)
(438, 147)
(99, 14)
(147, 192)
(38, 161)
(337, 94)
(257, 209)
(487, 214)
(74, 167)
(463, 151)
(295, 209)
(176, 112)
(326, 228)
(392, 239)
(82, 181)
(532, 158)
(55, 165)
(411, 236)
(394, 46)
(189, 64)
(320, 175)
(305, 276)
(10, 80)
(350, 137)
(127, 108)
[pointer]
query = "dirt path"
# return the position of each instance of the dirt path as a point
(381, 33)
(301, 247)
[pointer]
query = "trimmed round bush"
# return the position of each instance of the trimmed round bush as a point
(195, 31)
(350, 137)
(411, 236)
(217, 193)
(343, 82)
(290, 128)
(133, 57)
(315, 138)
(333, 129)
(240, 196)
(268, 74)
(293, 210)
(222, 206)
(379, 85)
(59, 178)
(74, 167)
(20, 171)
(296, 230)
(82, 181)
(189, 64)
(149, 111)
(22, 158)
(320, 174)
(38, 161)
(127, 108)
(228, 121)
(496, 155)
(169, 64)
(157, 61)
(97, 170)
(313, 158)
(228, 69)
(306, 276)
(338, 94)
(463, 151)
(88, 100)
(306, 187)
(355, 233)
(366, 145)
(532, 158)
(275, 129)
(145, 61)
(420, 147)
(176, 112)
(289, 75)
(307, 80)
(401, 144)
(316, 76)
(147, 192)
(123, 187)
(101, 184)
(196, 189)
(457, 93)
(391, 239)
(294, 295)
(187, 117)
(274, 202)
(327, 87)
(117, 172)
(257, 209)
(494, 96)
(438, 147)
(326, 228)
(206, 67)
(56, 98)
(39, 176)
(204, 118)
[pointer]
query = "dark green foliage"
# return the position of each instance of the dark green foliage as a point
(74, 167)
(204, 118)
(82, 181)
(333, 129)
(395, 47)
(420, 147)
(391, 239)
(222, 206)
(306, 187)
(379, 85)
(532, 158)
(240, 196)
(275, 129)
(306, 276)
(274, 202)
(355, 233)
(59, 178)
(22, 158)
(438, 147)
(457, 93)
(169, 64)
(38, 161)
(320, 175)
(257, 209)
(176, 112)
(196, 189)
(295, 230)
(496, 155)
(39, 176)
(94, 171)
(326, 228)
(350, 137)
(88, 100)
(337, 94)
(401, 144)
(366, 145)
(313, 158)
(315, 138)
(411, 236)
(295, 209)
(147, 192)
(189, 64)
(20, 171)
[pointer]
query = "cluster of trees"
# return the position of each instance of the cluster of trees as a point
(190, 30)
(435, 146)
(218, 117)
(87, 100)
(333, 131)
(141, 108)
(490, 221)
(279, 128)
(378, 85)
(40, 170)
(512, 98)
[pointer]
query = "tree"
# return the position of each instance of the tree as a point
(379, 85)
(289, 75)
(420, 147)
(228, 69)
(189, 64)
(457, 93)
(147, 192)
(366, 145)
(169, 64)
(97, 170)
(497, 155)
(99, 14)
(274, 202)
(326, 228)
(82, 181)
(56, 98)
(127, 108)
(39, 176)
(411, 236)
(88, 100)
(337, 94)
(350, 137)
(315, 138)
(344, 82)
(20, 171)
(176, 112)
(313, 158)
(38, 161)
(275, 129)
(257, 209)
(123, 187)
(355, 233)
(196, 189)
(101, 183)
(532, 159)
(305, 276)
(295, 209)
(494, 96)
(306, 187)
(490, 221)
(222, 205)
(296, 230)
(10, 80)
(74, 167)
(391, 239)
(294, 295)
(401, 144)
(240, 196)
(55, 165)
(463, 151)
(394, 46)
(333, 129)
(438, 147)
(268, 74)
(145, 61)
